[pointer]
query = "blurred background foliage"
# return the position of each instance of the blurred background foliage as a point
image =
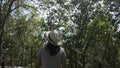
(89, 26)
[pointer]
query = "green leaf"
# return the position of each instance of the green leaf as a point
(101, 23)
(41, 20)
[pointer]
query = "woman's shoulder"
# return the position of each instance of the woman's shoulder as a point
(61, 49)
(41, 48)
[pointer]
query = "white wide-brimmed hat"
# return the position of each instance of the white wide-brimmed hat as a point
(54, 37)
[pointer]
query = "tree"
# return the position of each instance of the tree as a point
(91, 25)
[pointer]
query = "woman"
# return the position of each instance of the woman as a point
(52, 55)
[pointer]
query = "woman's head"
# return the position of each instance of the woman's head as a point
(54, 37)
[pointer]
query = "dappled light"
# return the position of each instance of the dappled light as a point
(90, 31)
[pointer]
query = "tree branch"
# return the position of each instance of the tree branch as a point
(22, 6)
(9, 9)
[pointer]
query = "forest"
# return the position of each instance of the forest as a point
(90, 30)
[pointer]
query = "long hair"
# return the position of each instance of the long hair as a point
(52, 49)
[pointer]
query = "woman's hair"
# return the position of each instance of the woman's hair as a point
(52, 49)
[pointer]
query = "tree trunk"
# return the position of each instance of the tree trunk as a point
(3, 19)
(3, 63)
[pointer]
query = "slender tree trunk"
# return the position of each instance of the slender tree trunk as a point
(99, 65)
(3, 63)
(3, 18)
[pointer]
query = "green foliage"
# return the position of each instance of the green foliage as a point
(90, 26)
